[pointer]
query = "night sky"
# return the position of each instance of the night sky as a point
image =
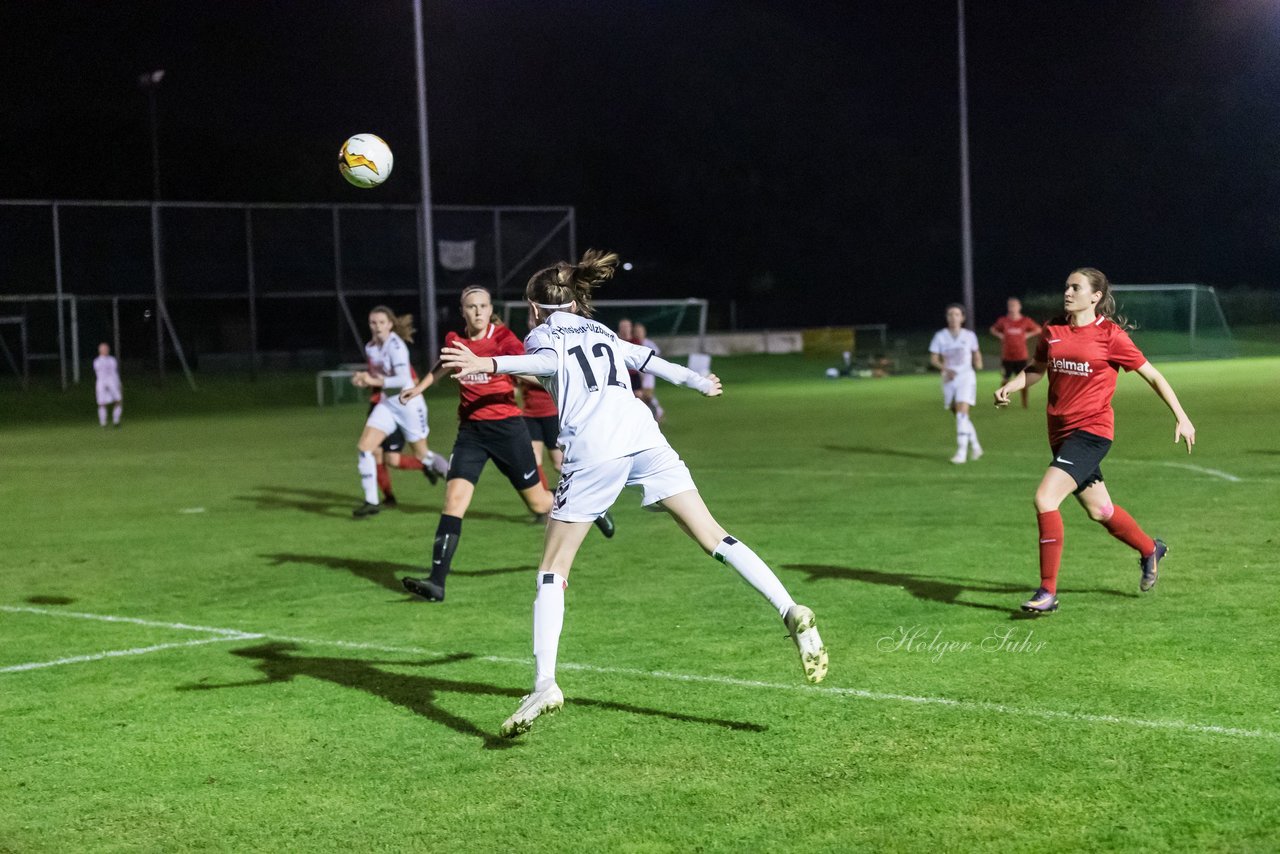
(798, 157)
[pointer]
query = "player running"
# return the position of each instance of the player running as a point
(389, 371)
(1014, 330)
(610, 441)
(1082, 353)
(490, 428)
(106, 386)
(954, 352)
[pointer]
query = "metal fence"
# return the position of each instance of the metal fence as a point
(244, 285)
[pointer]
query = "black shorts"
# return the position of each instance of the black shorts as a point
(1011, 367)
(545, 430)
(1080, 455)
(505, 441)
(394, 443)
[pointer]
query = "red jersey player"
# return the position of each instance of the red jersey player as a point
(490, 428)
(1082, 354)
(1013, 330)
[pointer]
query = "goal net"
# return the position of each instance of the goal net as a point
(1176, 321)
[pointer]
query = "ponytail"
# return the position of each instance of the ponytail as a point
(569, 283)
(401, 325)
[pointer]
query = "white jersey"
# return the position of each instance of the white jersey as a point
(390, 360)
(956, 350)
(583, 364)
(107, 371)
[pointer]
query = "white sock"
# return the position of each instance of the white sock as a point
(972, 431)
(962, 430)
(658, 411)
(755, 572)
(116, 412)
(102, 415)
(368, 467)
(548, 619)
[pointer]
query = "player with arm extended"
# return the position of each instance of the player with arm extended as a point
(954, 352)
(1082, 354)
(490, 428)
(106, 386)
(1014, 330)
(389, 371)
(610, 441)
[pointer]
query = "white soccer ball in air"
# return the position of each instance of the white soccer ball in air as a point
(365, 160)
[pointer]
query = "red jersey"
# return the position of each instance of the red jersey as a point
(488, 397)
(538, 402)
(1083, 363)
(1013, 340)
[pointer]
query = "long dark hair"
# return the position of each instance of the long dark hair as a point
(565, 283)
(401, 324)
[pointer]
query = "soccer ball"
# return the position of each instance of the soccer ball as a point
(365, 160)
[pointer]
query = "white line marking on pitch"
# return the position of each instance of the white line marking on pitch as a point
(1211, 472)
(121, 653)
(830, 691)
(191, 510)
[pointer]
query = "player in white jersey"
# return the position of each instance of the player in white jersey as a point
(648, 382)
(106, 386)
(388, 358)
(954, 352)
(610, 441)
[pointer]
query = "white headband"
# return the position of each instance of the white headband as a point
(554, 307)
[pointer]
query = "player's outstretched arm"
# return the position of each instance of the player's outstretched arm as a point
(1184, 429)
(1025, 378)
(423, 384)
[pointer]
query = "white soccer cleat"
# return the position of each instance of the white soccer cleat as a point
(803, 628)
(975, 451)
(960, 457)
(533, 706)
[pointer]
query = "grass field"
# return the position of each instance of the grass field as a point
(200, 650)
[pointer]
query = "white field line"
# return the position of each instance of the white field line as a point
(829, 691)
(1202, 470)
(121, 653)
(106, 618)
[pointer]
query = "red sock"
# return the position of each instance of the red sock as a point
(409, 463)
(1050, 548)
(384, 479)
(542, 477)
(1126, 530)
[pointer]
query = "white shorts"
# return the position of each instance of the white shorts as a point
(410, 417)
(962, 389)
(586, 493)
(108, 393)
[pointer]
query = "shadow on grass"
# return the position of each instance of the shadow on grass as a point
(946, 590)
(384, 573)
(418, 694)
(339, 505)
(885, 452)
(49, 600)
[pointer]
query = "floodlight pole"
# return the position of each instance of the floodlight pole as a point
(966, 223)
(149, 82)
(427, 274)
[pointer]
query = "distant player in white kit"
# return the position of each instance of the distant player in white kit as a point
(388, 358)
(106, 386)
(610, 441)
(648, 382)
(954, 352)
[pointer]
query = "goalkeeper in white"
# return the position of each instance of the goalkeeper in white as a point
(610, 441)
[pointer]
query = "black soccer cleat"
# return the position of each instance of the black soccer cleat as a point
(389, 502)
(433, 476)
(424, 587)
(366, 509)
(605, 523)
(1150, 566)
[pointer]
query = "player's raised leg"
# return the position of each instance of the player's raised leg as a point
(693, 517)
(1097, 503)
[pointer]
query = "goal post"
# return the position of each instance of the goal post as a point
(1176, 321)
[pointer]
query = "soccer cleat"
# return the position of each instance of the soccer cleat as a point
(605, 523)
(540, 518)
(803, 628)
(424, 587)
(433, 476)
(975, 451)
(960, 457)
(389, 502)
(366, 509)
(1150, 566)
(532, 707)
(1041, 602)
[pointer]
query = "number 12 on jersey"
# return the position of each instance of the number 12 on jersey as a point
(600, 349)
